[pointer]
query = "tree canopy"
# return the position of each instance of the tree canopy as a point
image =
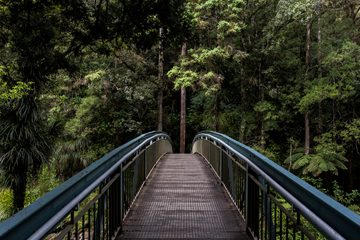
(79, 78)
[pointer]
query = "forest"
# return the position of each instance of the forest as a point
(80, 78)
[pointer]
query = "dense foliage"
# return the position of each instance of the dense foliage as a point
(79, 78)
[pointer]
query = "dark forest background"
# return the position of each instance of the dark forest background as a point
(80, 78)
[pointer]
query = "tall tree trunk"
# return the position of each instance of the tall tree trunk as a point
(308, 43)
(307, 133)
(350, 157)
(334, 116)
(307, 120)
(262, 141)
(321, 130)
(161, 85)
(243, 104)
(183, 111)
(217, 113)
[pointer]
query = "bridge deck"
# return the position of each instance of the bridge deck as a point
(183, 199)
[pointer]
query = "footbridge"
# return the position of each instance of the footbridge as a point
(221, 190)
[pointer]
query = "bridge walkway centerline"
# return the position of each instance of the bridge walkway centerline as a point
(183, 199)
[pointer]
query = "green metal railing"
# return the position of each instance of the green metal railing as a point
(93, 203)
(257, 185)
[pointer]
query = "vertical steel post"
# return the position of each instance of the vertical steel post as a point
(247, 194)
(209, 152)
(145, 167)
(121, 194)
(99, 217)
(221, 166)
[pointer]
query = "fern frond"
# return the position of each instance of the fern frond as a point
(294, 157)
(323, 164)
(304, 160)
(340, 165)
(331, 166)
(341, 158)
(299, 150)
(317, 172)
(313, 164)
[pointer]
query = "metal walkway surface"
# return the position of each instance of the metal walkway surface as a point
(183, 199)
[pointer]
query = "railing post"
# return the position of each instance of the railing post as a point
(247, 195)
(209, 152)
(221, 166)
(145, 167)
(100, 213)
(121, 195)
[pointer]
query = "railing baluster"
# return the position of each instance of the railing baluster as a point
(294, 230)
(275, 220)
(287, 227)
(83, 227)
(121, 194)
(76, 232)
(89, 222)
(261, 207)
(94, 231)
(280, 224)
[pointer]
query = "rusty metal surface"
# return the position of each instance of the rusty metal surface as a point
(183, 199)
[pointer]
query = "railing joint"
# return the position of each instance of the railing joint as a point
(77, 207)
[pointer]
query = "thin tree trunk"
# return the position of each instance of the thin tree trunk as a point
(308, 43)
(183, 112)
(243, 105)
(161, 85)
(217, 113)
(334, 116)
(350, 157)
(307, 133)
(321, 129)
(307, 120)
(262, 141)
(351, 152)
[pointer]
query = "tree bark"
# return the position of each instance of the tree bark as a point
(183, 112)
(243, 105)
(308, 42)
(262, 141)
(19, 190)
(161, 85)
(307, 133)
(217, 113)
(321, 129)
(307, 120)
(350, 157)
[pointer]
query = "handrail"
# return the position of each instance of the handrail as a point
(40, 217)
(337, 221)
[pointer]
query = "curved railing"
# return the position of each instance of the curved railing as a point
(93, 203)
(252, 180)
